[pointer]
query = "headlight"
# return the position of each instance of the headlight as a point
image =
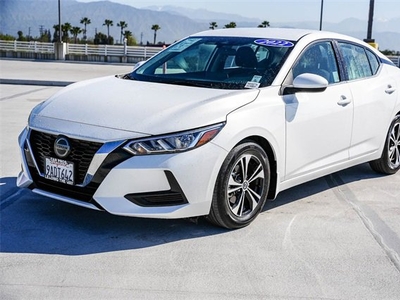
(177, 142)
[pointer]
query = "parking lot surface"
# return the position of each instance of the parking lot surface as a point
(337, 237)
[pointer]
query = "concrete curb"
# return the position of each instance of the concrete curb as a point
(35, 82)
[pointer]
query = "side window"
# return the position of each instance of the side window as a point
(319, 59)
(373, 61)
(356, 61)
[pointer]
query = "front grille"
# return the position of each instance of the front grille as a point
(81, 155)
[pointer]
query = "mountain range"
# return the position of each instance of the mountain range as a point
(175, 22)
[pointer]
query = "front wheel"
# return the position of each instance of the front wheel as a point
(241, 188)
(389, 163)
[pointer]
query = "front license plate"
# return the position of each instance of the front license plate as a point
(59, 170)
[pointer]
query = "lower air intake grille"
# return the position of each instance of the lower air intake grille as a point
(174, 196)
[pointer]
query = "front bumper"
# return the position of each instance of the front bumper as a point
(153, 186)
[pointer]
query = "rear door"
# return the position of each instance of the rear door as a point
(373, 93)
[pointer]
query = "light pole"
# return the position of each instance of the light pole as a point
(370, 19)
(322, 11)
(59, 21)
(369, 38)
(60, 47)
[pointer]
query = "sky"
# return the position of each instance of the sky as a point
(284, 10)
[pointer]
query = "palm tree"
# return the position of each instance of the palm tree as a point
(127, 33)
(123, 25)
(85, 21)
(20, 36)
(65, 28)
(75, 31)
(230, 25)
(108, 23)
(130, 39)
(213, 25)
(155, 27)
(56, 32)
(264, 24)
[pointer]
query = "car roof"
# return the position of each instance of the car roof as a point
(291, 34)
(273, 33)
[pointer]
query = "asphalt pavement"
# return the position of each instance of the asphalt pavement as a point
(337, 237)
(55, 73)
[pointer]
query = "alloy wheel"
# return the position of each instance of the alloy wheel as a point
(394, 146)
(245, 185)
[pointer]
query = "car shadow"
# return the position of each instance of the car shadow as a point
(353, 174)
(31, 223)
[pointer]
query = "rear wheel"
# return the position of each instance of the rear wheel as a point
(389, 163)
(241, 188)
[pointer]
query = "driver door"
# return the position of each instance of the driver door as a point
(318, 124)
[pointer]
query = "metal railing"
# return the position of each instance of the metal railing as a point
(81, 49)
(395, 60)
(36, 47)
(106, 50)
(140, 52)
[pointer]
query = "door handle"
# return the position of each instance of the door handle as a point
(390, 89)
(344, 101)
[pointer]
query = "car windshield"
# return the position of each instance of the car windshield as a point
(217, 62)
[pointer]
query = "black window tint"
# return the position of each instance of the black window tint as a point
(373, 61)
(356, 61)
(319, 59)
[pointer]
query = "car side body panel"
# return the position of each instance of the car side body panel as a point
(373, 108)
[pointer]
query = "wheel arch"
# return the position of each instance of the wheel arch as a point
(264, 143)
(388, 163)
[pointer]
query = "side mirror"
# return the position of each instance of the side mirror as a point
(307, 82)
(310, 81)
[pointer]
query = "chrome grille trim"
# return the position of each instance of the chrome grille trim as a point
(28, 143)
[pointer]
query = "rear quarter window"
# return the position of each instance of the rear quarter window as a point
(373, 61)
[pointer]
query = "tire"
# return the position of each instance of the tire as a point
(389, 163)
(241, 188)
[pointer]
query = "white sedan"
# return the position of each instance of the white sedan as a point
(215, 125)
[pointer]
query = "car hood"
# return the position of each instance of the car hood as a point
(112, 108)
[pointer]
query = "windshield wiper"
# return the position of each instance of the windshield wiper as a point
(190, 83)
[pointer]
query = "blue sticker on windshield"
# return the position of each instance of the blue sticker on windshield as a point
(274, 43)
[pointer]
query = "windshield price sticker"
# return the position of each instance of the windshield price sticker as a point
(252, 85)
(59, 170)
(256, 78)
(273, 43)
